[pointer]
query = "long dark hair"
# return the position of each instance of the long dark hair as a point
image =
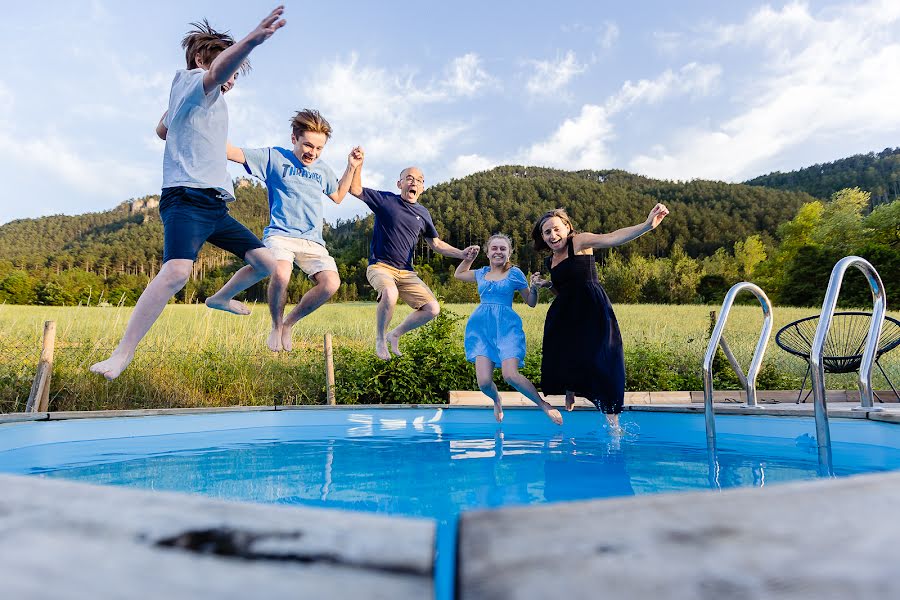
(539, 243)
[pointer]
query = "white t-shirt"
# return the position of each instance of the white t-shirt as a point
(198, 130)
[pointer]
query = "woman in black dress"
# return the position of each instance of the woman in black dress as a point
(582, 352)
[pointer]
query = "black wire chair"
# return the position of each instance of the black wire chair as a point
(843, 346)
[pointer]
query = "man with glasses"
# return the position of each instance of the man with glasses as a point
(399, 221)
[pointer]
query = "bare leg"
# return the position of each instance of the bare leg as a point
(261, 264)
(327, 283)
(570, 401)
(277, 292)
(171, 278)
(415, 319)
(484, 374)
(512, 376)
(387, 300)
(613, 421)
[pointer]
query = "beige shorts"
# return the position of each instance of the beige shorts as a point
(308, 255)
(412, 290)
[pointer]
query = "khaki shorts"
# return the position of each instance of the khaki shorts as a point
(308, 255)
(412, 290)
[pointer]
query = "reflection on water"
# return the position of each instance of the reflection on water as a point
(425, 467)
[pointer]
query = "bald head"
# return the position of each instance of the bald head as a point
(411, 184)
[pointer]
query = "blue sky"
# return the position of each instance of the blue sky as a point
(674, 90)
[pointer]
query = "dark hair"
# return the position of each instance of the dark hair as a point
(208, 43)
(539, 243)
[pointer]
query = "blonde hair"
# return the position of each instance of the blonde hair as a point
(536, 234)
(501, 236)
(310, 120)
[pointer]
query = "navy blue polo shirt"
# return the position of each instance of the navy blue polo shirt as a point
(398, 225)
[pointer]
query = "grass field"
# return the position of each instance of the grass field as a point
(196, 356)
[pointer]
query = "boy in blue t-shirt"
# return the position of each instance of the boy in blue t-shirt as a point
(196, 185)
(298, 183)
(399, 221)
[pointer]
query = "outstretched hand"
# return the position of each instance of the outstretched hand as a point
(538, 281)
(470, 253)
(268, 26)
(656, 216)
(356, 157)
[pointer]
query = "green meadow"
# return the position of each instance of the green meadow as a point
(194, 356)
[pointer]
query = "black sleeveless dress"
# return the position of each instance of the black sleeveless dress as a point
(582, 350)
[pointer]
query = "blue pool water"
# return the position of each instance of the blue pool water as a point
(435, 463)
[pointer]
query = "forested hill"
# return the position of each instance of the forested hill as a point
(705, 216)
(878, 174)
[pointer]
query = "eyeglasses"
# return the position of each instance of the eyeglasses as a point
(411, 179)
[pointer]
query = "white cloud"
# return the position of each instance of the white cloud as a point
(693, 78)
(822, 77)
(583, 141)
(609, 35)
(385, 113)
(466, 77)
(551, 76)
(110, 178)
(579, 143)
(467, 164)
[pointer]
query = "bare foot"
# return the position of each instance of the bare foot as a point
(570, 401)
(112, 367)
(394, 340)
(274, 340)
(498, 411)
(287, 341)
(232, 306)
(381, 350)
(551, 412)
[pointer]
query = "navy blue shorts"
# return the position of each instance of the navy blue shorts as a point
(192, 216)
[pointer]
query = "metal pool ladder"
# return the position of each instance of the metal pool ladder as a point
(879, 304)
(716, 339)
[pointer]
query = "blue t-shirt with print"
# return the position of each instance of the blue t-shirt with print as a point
(296, 192)
(398, 225)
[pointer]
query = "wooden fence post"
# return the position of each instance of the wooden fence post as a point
(329, 372)
(39, 397)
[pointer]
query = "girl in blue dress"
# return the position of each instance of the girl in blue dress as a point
(494, 334)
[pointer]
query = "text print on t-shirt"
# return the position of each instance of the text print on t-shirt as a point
(289, 170)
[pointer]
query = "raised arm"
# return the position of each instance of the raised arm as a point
(354, 161)
(161, 130)
(230, 60)
(582, 241)
(464, 270)
(356, 187)
(445, 249)
(234, 154)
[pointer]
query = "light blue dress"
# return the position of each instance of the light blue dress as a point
(495, 330)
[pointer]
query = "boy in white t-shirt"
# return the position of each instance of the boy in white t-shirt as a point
(196, 185)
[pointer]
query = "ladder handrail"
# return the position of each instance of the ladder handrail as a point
(816, 363)
(714, 341)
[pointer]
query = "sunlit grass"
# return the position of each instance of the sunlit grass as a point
(194, 356)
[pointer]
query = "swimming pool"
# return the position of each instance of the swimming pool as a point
(435, 463)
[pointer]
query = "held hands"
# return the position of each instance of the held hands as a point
(470, 253)
(356, 157)
(656, 216)
(538, 281)
(267, 27)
